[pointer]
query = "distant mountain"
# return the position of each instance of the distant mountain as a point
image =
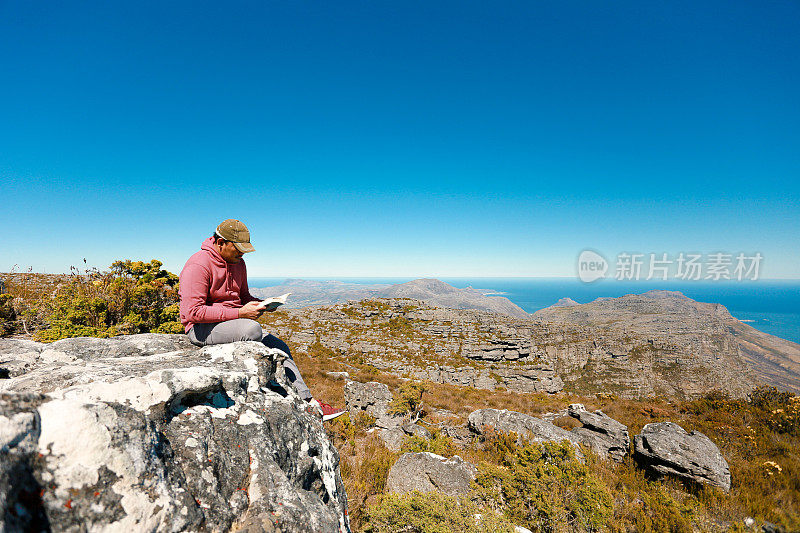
(311, 292)
(565, 302)
(439, 293)
(433, 291)
(678, 324)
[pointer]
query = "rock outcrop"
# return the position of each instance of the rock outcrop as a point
(662, 342)
(606, 436)
(528, 428)
(374, 399)
(666, 448)
(149, 433)
(427, 472)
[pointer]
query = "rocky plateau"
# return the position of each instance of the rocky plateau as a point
(658, 343)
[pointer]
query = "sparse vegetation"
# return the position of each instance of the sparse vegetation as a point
(133, 297)
(764, 460)
(543, 487)
(431, 513)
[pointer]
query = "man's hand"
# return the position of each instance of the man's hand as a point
(250, 310)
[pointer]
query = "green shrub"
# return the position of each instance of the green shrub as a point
(543, 487)
(431, 513)
(134, 297)
(7, 314)
(768, 398)
(409, 400)
(438, 444)
(346, 429)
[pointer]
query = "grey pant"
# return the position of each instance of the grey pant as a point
(245, 329)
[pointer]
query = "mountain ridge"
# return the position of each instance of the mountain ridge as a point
(307, 293)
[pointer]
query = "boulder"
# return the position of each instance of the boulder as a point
(392, 438)
(428, 472)
(600, 432)
(417, 430)
(528, 428)
(666, 448)
(150, 433)
(373, 398)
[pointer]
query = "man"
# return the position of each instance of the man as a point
(216, 306)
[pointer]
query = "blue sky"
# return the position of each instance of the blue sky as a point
(399, 138)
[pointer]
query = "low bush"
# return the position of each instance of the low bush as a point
(133, 297)
(8, 314)
(545, 487)
(409, 399)
(438, 444)
(431, 513)
(768, 398)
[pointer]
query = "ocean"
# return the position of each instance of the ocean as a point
(772, 306)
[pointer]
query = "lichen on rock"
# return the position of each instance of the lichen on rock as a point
(149, 433)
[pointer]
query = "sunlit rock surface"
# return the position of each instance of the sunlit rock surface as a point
(148, 433)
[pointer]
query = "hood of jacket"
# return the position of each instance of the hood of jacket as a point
(217, 261)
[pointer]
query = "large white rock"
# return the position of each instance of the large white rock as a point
(148, 433)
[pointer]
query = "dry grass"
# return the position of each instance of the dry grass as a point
(31, 286)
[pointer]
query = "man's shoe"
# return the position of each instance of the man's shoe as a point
(328, 412)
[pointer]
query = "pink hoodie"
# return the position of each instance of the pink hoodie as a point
(211, 289)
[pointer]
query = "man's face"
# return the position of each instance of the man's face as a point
(229, 251)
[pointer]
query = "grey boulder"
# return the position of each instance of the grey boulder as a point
(417, 431)
(666, 448)
(427, 472)
(528, 428)
(373, 398)
(18, 356)
(600, 432)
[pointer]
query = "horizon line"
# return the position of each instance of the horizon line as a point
(445, 276)
(334, 278)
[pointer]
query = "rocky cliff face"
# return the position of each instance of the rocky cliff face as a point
(675, 335)
(147, 433)
(635, 346)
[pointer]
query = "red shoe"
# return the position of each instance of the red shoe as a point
(328, 412)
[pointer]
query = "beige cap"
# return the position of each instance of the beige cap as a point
(236, 232)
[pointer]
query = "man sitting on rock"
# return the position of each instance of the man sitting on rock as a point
(217, 307)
